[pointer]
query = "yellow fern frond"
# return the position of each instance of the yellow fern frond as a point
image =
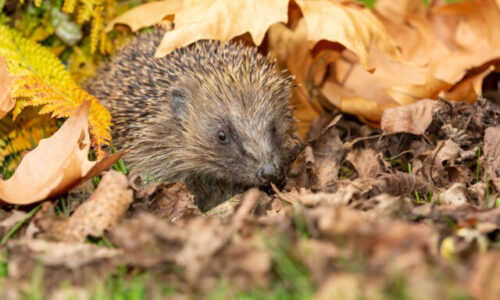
(44, 81)
(105, 45)
(85, 11)
(69, 6)
(95, 30)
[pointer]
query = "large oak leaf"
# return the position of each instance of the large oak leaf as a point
(58, 164)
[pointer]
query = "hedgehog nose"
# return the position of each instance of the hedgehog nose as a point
(267, 173)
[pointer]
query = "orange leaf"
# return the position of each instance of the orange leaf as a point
(353, 26)
(58, 164)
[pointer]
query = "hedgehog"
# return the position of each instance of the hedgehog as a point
(213, 115)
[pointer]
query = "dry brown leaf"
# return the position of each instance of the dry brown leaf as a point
(398, 10)
(344, 286)
(492, 151)
(365, 161)
(454, 195)
(414, 118)
(291, 49)
(102, 210)
(399, 183)
(349, 24)
(475, 36)
(438, 49)
(10, 221)
(222, 20)
(58, 164)
(483, 283)
(357, 91)
(74, 263)
(328, 152)
(6, 102)
(469, 87)
(148, 240)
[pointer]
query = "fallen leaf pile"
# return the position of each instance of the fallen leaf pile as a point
(396, 194)
(386, 208)
(345, 55)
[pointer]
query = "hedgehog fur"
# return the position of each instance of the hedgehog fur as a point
(213, 115)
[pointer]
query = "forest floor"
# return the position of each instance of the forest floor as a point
(364, 214)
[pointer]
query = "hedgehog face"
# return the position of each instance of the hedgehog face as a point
(235, 129)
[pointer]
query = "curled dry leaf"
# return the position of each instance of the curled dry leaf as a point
(6, 81)
(102, 210)
(414, 118)
(349, 24)
(399, 183)
(222, 20)
(58, 164)
(354, 26)
(474, 36)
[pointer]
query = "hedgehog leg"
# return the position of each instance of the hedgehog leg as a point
(210, 193)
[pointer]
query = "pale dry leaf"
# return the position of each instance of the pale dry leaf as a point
(147, 14)
(222, 20)
(10, 221)
(6, 102)
(352, 25)
(341, 286)
(102, 210)
(454, 195)
(492, 151)
(353, 190)
(70, 255)
(414, 118)
(58, 164)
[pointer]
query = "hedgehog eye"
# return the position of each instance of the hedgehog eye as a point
(222, 137)
(273, 128)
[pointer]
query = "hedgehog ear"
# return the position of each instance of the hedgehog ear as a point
(178, 103)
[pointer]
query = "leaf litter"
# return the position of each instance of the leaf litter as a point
(408, 209)
(386, 214)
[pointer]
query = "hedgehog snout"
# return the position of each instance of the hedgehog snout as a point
(267, 173)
